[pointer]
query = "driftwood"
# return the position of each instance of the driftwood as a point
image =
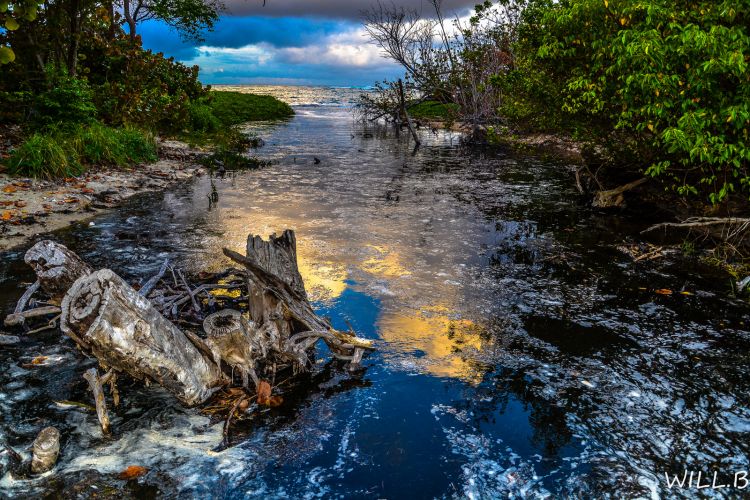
(127, 331)
(122, 329)
(615, 197)
(95, 384)
(56, 267)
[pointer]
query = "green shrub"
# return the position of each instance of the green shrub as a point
(202, 119)
(44, 156)
(671, 75)
(70, 100)
(434, 110)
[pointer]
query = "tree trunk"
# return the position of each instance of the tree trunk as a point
(129, 19)
(404, 113)
(56, 267)
(122, 329)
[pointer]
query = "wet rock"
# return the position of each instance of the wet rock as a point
(9, 339)
(45, 450)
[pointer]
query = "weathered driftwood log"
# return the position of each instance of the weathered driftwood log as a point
(45, 450)
(615, 197)
(56, 267)
(108, 318)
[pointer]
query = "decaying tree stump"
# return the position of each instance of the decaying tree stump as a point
(279, 306)
(56, 267)
(45, 450)
(122, 329)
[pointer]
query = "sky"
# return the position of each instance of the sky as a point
(290, 42)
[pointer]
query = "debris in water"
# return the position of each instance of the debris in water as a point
(45, 450)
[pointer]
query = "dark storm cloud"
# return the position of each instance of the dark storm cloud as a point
(336, 9)
(234, 32)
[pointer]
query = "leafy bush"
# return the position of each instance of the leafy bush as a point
(44, 156)
(434, 110)
(69, 100)
(673, 75)
(202, 118)
(138, 87)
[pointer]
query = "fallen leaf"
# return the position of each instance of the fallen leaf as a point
(6, 203)
(71, 199)
(87, 190)
(663, 291)
(47, 206)
(39, 360)
(264, 395)
(10, 188)
(22, 184)
(132, 472)
(685, 292)
(20, 203)
(264, 392)
(7, 215)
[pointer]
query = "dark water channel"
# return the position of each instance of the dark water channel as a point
(520, 354)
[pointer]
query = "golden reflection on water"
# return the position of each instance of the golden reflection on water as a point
(406, 327)
(439, 337)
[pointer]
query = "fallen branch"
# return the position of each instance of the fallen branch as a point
(95, 384)
(702, 222)
(150, 284)
(31, 290)
(614, 197)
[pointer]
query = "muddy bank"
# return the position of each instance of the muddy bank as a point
(31, 206)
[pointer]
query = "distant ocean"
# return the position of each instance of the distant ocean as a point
(302, 95)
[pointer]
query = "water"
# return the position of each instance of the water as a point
(519, 353)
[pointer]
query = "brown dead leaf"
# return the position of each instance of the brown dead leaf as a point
(6, 203)
(39, 360)
(47, 206)
(264, 395)
(20, 204)
(6, 215)
(71, 199)
(22, 184)
(264, 392)
(87, 190)
(10, 188)
(663, 291)
(132, 472)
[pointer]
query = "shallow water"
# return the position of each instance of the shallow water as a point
(519, 353)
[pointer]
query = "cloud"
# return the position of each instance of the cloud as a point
(334, 9)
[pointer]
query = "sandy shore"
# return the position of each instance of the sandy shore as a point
(29, 207)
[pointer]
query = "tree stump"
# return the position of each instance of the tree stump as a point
(110, 319)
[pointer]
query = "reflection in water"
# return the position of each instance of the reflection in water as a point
(433, 335)
(519, 354)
